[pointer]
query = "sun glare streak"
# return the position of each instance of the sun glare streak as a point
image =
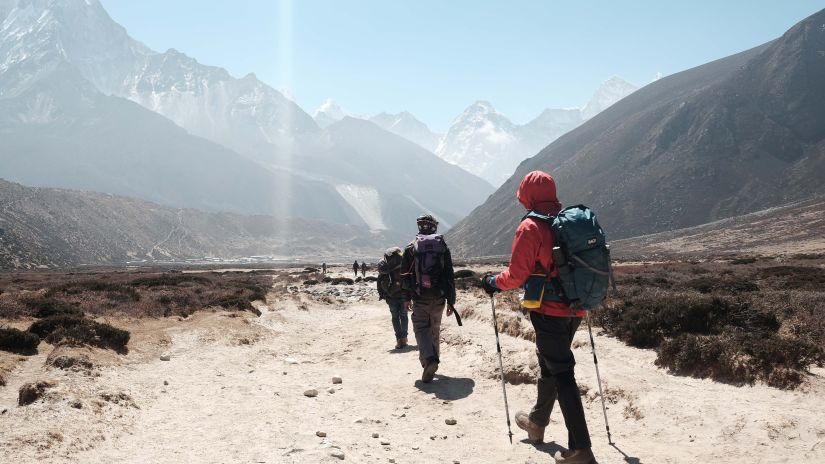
(284, 61)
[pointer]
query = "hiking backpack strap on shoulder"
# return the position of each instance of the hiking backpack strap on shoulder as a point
(542, 286)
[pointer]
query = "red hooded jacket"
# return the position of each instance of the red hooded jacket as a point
(533, 245)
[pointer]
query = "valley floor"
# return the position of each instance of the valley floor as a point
(233, 391)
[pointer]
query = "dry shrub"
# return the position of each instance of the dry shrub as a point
(729, 285)
(78, 331)
(741, 358)
(795, 277)
(646, 319)
(17, 341)
(43, 307)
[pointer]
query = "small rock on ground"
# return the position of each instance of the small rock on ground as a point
(338, 454)
(337, 379)
(450, 421)
(312, 393)
(165, 357)
(320, 434)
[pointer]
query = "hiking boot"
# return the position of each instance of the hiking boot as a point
(429, 371)
(403, 342)
(534, 432)
(399, 343)
(579, 456)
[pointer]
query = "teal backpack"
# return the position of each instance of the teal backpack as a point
(581, 256)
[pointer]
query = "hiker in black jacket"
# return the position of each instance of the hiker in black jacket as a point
(428, 283)
(389, 290)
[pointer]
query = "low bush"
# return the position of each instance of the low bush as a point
(729, 284)
(43, 307)
(796, 277)
(646, 319)
(17, 341)
(741, 358)
(170, 280)
(77, 331)
(113, 290)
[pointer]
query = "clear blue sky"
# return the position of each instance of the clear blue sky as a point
(435, 57)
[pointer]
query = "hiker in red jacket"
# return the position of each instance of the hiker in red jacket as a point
(555, 322)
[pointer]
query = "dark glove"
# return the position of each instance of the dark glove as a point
(488, 283)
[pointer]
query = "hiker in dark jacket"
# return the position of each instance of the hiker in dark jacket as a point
(355, 268)
(428, 283)
(555, 322)
(363, 269)
(389, 290)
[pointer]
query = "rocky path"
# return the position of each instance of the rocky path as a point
(233, 391)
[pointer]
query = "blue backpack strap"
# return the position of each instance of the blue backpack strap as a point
(553, 284)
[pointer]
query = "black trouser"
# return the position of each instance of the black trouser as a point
(554, 336)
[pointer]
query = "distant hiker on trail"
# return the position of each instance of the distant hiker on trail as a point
(389, 290)
(555, 322)
(428, 283)
(323, 268)
(363, 269)
(355, 268)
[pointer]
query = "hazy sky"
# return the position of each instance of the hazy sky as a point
(435, 57)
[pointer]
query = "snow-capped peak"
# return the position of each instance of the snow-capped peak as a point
(608, 93)
(331, 109)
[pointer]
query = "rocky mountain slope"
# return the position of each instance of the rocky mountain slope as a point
(41, 227)
(730, 137)
(794, 229)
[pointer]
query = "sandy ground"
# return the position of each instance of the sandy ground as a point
(233, 392)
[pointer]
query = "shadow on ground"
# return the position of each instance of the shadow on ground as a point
(448, 388)
(406, 349)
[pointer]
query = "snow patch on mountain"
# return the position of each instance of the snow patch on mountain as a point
(366, 201)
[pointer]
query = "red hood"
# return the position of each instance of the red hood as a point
(538, 192)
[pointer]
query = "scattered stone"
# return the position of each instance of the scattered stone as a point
(406, 406)
(166, 382)
(392, 460)
(165, 357)
(338, 454)
(32, 391)
(331, 390)
(291, 361)
(450, 421)
(385, 442)
(415, 448)
(77, 404)
(321, 434)
(360, 420)
(312, 393)
(374, 435)
(337, 379)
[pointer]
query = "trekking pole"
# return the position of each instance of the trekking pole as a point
(501, 369)
(598, 378)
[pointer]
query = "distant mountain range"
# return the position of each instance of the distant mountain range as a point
(46, 228)
(731, 137)
(484, 141)
(83, 105)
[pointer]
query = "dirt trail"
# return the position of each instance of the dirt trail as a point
(227, 401)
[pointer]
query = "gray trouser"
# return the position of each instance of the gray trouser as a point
(426, 319)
